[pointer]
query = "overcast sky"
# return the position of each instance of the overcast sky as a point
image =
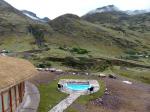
(54, 8)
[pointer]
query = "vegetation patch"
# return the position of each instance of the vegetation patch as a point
(76, 50)
(86, 98)
(84, 64)
(79, 50)
(45, 64)
(138, 74)
(50, 96)
(38, 32)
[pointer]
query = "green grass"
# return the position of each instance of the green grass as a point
(50, 96)
(86, 98)
(71, 109)
(136, 74)
(18, 44)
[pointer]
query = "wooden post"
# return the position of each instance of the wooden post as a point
(10, 97)
(15, 96)
(20, 93)
(2, 102)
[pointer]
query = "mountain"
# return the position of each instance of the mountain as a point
(137, 20)
(108, 33)
(11, 19)
(75, 27)
(113, 8)
(34, 17)
(14, 28)
(107, 14)
(136, 12)
(109, 8)
(112, 14)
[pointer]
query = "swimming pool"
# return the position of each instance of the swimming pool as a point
(77, 86)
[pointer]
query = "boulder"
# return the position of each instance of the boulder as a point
(112, 76)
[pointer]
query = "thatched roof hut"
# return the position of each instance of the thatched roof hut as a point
(14, 71)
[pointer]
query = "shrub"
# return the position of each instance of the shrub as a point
(79, 50)
(44, 65)
(82, 63)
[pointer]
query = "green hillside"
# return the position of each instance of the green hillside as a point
(108, 35)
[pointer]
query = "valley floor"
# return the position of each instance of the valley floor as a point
(121, 98)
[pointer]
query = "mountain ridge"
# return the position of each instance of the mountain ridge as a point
(101, 34)
(113, 8)
(34, 16)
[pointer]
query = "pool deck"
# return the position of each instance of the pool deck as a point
(92, 83)
(74, 94)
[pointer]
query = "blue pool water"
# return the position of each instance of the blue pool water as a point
(77, 87)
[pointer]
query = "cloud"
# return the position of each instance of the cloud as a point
(54, 8)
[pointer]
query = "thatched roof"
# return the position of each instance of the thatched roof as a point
(14, 71)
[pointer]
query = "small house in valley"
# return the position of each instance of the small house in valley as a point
(13, 73)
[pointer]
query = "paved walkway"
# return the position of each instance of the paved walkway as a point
(65, 103)
(31, 99)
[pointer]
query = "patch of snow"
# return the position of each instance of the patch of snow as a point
(127, 82)
(30, 16)
(111, 8)
(135, 12)
(108, 8)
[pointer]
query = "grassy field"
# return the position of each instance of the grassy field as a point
(18, 43)
(50, 95)
(138, 74)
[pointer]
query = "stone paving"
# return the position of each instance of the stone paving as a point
(31, 99)
(60, 107)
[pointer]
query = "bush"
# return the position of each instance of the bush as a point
(44, 65)
(82, 63)
(131, 52)
(79, 51)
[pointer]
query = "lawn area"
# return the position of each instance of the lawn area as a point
(50, 95)
(133, 73)
(86, 98)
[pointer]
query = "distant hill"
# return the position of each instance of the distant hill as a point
(14, 28)
(34, 17)
(113, 8)
(107, 31)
